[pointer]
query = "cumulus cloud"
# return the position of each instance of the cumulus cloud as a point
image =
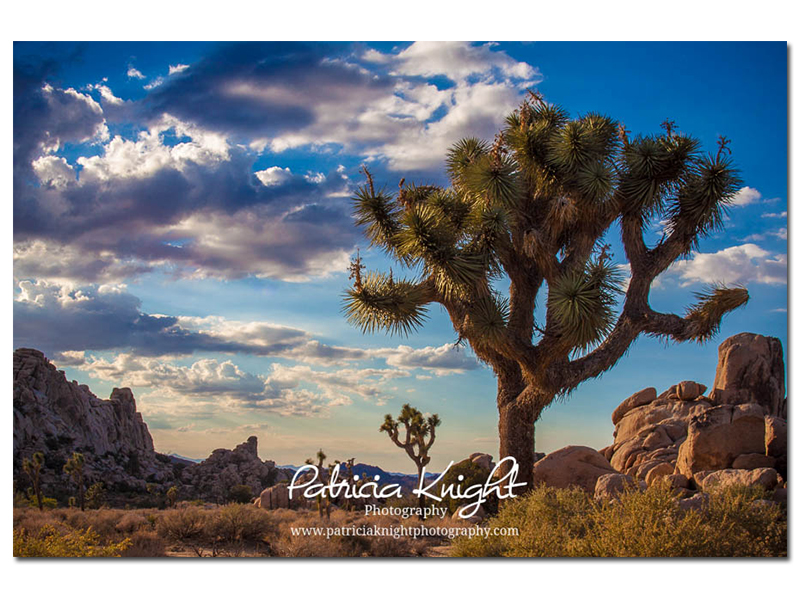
(458, 61)
(441, 360)
(287, 390)
(274, 176)
(54, 171)
(179, 191)
(780, 215)
(748, 263)
(745, 196)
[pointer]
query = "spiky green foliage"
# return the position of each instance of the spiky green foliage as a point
(583, 302)
(383, 303)
(712, 304)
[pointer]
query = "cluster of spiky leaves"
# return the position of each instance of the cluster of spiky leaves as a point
(524, 199)
(583, 302)
(712, 304)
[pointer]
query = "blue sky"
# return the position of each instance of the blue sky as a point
(182, 225)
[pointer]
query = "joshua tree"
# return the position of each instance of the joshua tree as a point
(414, 443)
(323, 502)
(33, 468)
(74, 468)
(534, 210)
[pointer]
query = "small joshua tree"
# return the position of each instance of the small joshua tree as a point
(172, 496)
(33, 468)
(323, 502)
(74, 468)
(535, 209)
(417, 428)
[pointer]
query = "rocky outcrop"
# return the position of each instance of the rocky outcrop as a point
(681, 433)
(750, 370)
(212, 479)
(573, 465)
(59, 417)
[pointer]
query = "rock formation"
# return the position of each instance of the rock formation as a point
(736, 433)
(58, 417)
(212, 479)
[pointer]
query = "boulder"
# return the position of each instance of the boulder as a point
(765, 477)
(775, 440)
(689, 390)
(610, 485)
(719, 435)
(658, 471)
(640, 398)
(751, 367)
(484, 461)
(572, 466)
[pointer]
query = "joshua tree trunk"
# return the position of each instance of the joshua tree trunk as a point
(420, 482)
(518, 415)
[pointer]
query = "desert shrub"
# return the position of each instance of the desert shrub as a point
(241, 494)
(131, 522)
(52, 542)
(473, 474)
(238, 523)
(183, 524)
(145, 544)
(555, 522)
(28, 499)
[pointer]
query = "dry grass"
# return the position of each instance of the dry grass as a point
(648, 523)
(231, 530)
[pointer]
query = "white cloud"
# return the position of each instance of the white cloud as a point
(107, 95)
(274, 176)
(441, 360)
(415, 122)
(780, 215)
(135, 73)
(284, 390)
(174, 69)
(149, 154)
(154, 84)
(748, 263)
(54, 171)
(458, 61)
(745, 196)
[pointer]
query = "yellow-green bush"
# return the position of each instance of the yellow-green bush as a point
(556, 522)
(66, 542)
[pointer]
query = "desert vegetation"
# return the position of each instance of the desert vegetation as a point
(196, 530)
(734, 521)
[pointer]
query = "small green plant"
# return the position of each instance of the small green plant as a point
(33, 468)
